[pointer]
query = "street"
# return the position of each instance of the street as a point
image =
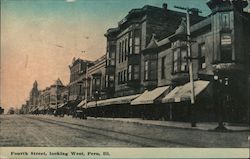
(50, 131)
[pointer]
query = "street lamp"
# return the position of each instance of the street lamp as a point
(219, 85)
(96, 97)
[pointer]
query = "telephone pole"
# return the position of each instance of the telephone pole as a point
(190, 63)
(86, 85)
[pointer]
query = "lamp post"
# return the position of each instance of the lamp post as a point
(220, 84)
(96, 97)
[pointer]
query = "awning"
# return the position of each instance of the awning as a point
(81, 104)
(52, 106)
(61, 105)
(149, 97)
(90, 104)
(33, 109)
(40, 108)
(73, 103)
(119, 100)
(113, 101)
(183, 93)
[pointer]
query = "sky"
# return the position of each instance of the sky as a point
(39, 38)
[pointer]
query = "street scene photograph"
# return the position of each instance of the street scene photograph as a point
(125, 73)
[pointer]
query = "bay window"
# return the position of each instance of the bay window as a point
(226, 47)
(183, 60)
(131, 42)
(137, 41)
(133, 72)
(146, 70)
(179, 60)
(150, 70)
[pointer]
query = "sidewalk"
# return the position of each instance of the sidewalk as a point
(174, 124)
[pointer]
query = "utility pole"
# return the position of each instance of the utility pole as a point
(190, 63)
(86, 85)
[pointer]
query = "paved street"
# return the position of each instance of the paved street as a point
(28, 130)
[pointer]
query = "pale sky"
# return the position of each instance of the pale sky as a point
(39, 38)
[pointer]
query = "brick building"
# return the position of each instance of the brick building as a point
(219, 51)
(77, 84)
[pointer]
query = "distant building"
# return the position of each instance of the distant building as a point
(1, 110)
(77, 84)
(97, 75)
(34, 97)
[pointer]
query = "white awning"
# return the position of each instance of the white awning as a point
(61, 105)
(113, 101)
(183, 93)
(40, 108)
(52, 106)
(149, 97)
(118, 100)
(81, 104)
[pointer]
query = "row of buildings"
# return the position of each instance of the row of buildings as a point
(145, 70)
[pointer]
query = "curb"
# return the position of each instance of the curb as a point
(169, 126)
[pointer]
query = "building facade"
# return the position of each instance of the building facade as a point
(147, 64)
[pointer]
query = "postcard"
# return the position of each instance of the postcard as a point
(96, 79)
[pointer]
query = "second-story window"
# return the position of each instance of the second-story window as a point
(130, 42)
(179, 60)
(120, 45)
(133, 72)
(146, 70)
(150, 70)
(163, 66)
(183, 60)
(202, 61)
(136, 72)
(130, 72)
(125, 75)
(126, 49)
(226, 47)
(137, 42)
(175, 61)
(225, 20)
(122, 50)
